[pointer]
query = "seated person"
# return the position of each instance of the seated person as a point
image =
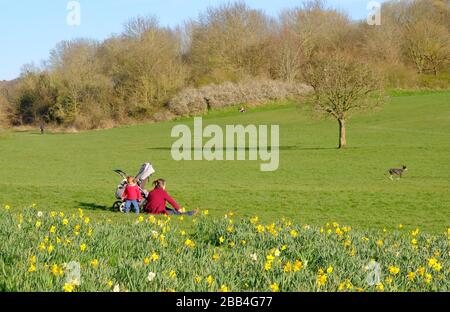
(157, 201)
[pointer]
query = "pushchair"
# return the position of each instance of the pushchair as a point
(142, 177)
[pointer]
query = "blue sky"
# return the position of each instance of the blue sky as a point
(29, 29)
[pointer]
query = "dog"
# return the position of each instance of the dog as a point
(395, 172)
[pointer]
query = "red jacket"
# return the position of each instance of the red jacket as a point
(132, 192)
(157, 202)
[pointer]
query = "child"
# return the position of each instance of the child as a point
(157, 201)
(132, 195)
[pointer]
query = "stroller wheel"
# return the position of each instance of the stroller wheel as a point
(119, 206)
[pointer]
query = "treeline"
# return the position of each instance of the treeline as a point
(134, 75)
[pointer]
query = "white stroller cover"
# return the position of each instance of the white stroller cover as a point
(146, 171)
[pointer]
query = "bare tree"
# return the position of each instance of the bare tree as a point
(428, 45)
(225, 40)
(342, 85)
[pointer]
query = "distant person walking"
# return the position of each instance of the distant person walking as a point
(42, 128)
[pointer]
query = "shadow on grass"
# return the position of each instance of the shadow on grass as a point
(93, 206)
(281, 148)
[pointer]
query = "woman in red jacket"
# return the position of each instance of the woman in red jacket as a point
(157, 201)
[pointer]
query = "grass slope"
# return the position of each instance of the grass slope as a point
(315, 183)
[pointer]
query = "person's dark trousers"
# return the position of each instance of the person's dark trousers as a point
(173, 212)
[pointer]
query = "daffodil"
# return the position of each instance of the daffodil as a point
(189, 243)
(298, 265)
(223, 288)
(32, 268)
(42, 246)
(94, 263)
(437, 267)
(393, 270)
(322, 279)
(287, 267)
(68, 287)
(198, 279)
(432, 262)
(415, 232)
(57, 270)
(154, 257)
(274, 287)
(151, 276)
(210, 280)
(411, 276)
(421, 271)
(83, 247)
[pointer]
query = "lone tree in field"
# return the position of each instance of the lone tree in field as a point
(342, 85)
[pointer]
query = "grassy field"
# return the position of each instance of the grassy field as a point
(315, 184)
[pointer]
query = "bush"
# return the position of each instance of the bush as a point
(193, 101)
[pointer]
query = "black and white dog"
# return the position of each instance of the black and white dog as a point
(395, 172)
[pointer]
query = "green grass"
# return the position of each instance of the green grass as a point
(315, 183)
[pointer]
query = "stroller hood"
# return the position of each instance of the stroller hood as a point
(146, 171)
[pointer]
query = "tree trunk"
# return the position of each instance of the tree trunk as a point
(342, 133)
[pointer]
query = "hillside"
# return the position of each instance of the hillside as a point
(315, 183)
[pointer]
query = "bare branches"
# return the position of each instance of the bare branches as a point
(341, 85)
